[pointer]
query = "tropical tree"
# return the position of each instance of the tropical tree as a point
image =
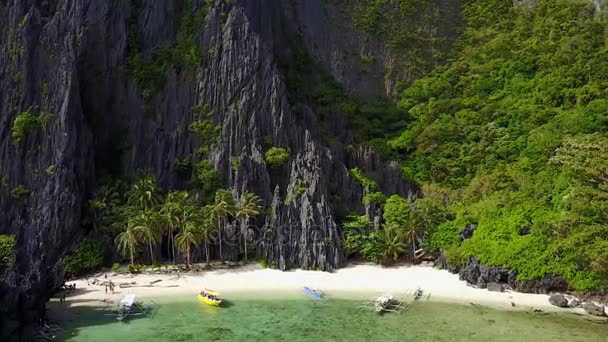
(145, 227)
(412, 229)
(392, 241)
(221, 209)
(247, 207)
(172, 214)
(143, 192)
(127, 241)
(189, 236)
(101, 209)
(207, 228)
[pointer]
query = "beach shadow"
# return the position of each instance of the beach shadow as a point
(71, 318)
(226, 303)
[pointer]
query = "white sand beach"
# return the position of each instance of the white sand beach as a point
(361, 280)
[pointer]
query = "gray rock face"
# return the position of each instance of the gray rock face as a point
(593, 309)
(480, 275)
(496, 287)
(558, 300)
(468, 231)
(70, 58)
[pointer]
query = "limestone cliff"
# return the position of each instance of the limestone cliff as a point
(67, 61)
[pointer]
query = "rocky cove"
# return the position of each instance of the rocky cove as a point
(99, 89)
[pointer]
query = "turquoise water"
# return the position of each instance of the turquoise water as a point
(303, 319)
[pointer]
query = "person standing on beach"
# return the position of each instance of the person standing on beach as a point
(106, 288)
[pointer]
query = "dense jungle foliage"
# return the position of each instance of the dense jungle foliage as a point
(513, 134)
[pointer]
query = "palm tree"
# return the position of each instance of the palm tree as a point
(127, 241)
(248, 206)
(144, 227)
(392, 240)
(143, 192)
(413, 228)
(172, 213)
(207, 228)
(189, 236)
(222, 208)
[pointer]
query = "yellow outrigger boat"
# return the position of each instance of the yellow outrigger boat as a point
(210, 297)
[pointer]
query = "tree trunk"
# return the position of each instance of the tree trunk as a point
(413, 248)
(131, 252)
(219, 230)
(188, 257)
(244, 230)
(207, 251)
(151, 254)
(172, 245)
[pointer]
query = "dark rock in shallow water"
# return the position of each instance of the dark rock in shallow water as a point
(558, 300)
(593, 309)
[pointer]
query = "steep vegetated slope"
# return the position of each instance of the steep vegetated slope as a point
(513, 134)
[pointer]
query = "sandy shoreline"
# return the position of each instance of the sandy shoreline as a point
(360, 281)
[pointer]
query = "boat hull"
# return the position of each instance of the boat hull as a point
(208, 301)
(314, 294)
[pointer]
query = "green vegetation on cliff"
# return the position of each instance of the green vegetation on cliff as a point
(7, 251)
(514, 130)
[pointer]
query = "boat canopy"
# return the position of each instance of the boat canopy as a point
(211, 293)
(128, 300)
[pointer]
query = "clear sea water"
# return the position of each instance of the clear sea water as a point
(299, 318)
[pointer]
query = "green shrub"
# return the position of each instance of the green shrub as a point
(369, 185)
(20, 193)
(235, 162)
(115, 267)
(208, 178)
(276, 156)
(88, 257)
(206, 131)
(51, 170)
(27, 122)
(300, 189)
(137, 268)
(183, 167)
(454, 256)
(23, 123)
(267, 142)
(374, 197)
(7, 252)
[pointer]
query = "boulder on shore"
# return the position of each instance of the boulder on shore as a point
(573, 302)
(595, 310)
(559, 300)
(496, 287)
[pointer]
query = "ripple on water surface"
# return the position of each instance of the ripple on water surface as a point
(297, 318)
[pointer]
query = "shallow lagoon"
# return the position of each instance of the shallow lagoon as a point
(298, 318)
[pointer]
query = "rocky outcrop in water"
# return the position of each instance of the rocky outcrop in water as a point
(594, 309)
(558, 300)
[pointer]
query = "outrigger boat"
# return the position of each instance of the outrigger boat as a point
(130, 306)
(387, 303)
(210, 297)
(316, 294)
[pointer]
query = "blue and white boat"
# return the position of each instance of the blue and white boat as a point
(316, 294)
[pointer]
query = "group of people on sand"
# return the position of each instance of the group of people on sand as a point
(109, 285)
(65, 288)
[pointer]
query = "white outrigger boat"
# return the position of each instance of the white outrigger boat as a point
(387, 303)
(130, 306)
